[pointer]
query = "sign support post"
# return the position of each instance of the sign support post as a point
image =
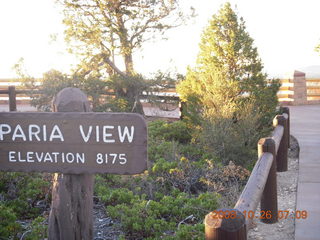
(71, 214)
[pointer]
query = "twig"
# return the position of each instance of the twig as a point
(25, 233)
(183, 221)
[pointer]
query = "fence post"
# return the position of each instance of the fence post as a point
(282, 154)
(12, 99)
(287, 111)
(269, 199)
(71, 215)
(225, 226)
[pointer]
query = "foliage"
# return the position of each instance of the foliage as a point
(227, 94)
(43, 90)
(102, 29)
(8, 226)
(230, 139)
(170, 200)
(24, 196)
(38, 229)
(228, 65)
(226, 180)
(175, 131)
(125, 100)
(150, 219)
(105, 34)
(105, 93)
(23, 192)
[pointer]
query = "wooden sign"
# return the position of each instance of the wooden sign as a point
(73, 142)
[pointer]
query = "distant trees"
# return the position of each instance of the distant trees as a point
(227, 87)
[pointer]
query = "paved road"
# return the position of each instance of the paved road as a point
(305, 126)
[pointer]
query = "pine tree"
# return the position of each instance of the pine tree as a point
(228, 70)
(227, 94)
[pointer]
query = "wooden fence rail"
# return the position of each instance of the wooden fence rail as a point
(12, 93)
(233, 224)
(172, 100)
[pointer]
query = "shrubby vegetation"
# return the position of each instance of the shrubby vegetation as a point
(183, 183)
(169, 201)
(24, 196)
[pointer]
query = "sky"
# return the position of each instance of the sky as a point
(285, 33)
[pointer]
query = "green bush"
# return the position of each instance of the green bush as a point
(38, 229)
(176, 131)
(188, 232)
(22, 191)
(150, 219)
(8, 226)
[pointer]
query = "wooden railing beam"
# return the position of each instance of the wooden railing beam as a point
(251, 194)
(269, 198)
(282, 152)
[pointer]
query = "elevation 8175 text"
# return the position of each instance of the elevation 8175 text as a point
(282, 214)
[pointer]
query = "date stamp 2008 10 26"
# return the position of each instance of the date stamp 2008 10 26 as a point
(281, 214)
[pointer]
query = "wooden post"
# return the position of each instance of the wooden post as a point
(287, 111)
(12, 99)
(282, 154)
(269, 199)
(224, 226)
(71, 214)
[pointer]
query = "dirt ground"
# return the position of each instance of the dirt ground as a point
(287, 186)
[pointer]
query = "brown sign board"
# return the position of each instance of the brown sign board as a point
(73, 142)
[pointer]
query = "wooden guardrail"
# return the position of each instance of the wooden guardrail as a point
(233, 224)
(12, 93)
(294, 90)
(171, 101)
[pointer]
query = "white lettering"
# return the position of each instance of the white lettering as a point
(18, 133)
(47, 158)
(80, 158)
(11, 156)
(44, 127)
(85, 137)
(55, 154)
(106, 135)
(19, 158)
(56, 133)
(125, 133)
(97, 134)
(39, 157)
(44, 157)
(30, 157)
(2, 130)
(34, 133)
(70, 159)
